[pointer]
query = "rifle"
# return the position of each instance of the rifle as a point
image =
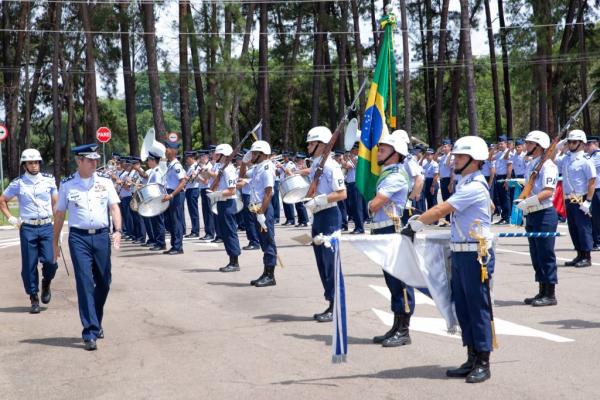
(550, 151)
(312, 189)
(215, 183)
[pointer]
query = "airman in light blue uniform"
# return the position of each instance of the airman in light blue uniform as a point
(174, 183)
(594, 156)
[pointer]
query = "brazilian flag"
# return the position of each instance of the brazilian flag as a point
(381, 110)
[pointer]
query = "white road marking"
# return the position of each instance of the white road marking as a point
(528, 255)
(420, 298)
(4, 245)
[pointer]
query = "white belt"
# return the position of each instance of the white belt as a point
(533, 209)
(379, 225)
(464, 247)
(324, 207)
(43, 221)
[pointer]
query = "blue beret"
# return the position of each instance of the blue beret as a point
(502, 138)
(593, 139)
(519, 141)
(430, 151)
(171, 145)
(446, 141)
(87, 151)
(300, 155)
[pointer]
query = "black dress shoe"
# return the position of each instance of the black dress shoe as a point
(217, 240)
(390, 333)
(401, 336)
(230, 268)
(481, 369)
(325, 316)
(146, 245)
(267, 279)
(158, 248)
(251, 247)
(172, 252)
(35, 304)
(465, 368)
(355, 232)
(501, 222)
(46, 293)
(191, 235)
(90, 345)
(100, 334)
(207, 238)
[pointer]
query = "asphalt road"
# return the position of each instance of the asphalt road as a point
(176, 328)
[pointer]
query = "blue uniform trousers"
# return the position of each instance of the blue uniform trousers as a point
(355, 206)
(472, 299)
(175, 212)
(396, 286)
(127, 218)
(502, 194)
(91, 263)
(542, 249)
(207, 215)
(191, 199)
(431, 198)
(302, 214)
(596, 218)
(580, 227)
(158, 227)
(139, 230)
(288, 210)
(251, 230)
(326, 222)
(343, 213)
(36, 246)
(267, 239)
(149, 230)
(275, 201)
(444, 184)
(227, 227)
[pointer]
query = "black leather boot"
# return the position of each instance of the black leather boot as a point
(325, 316)
(268, 279)
(46, 293)
(401, 336)
(264, 273)
(465, 368)
(575, 260)
(35, 304)
(548, 298)
(481, 370)
(233, 265)
(586, 260)
(540, 293)
(380, 339)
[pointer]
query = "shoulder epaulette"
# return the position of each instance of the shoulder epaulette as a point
(17, 179)
(47, 175)
(67, 178)
(103, 175)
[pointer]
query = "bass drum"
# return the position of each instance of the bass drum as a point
(294, 188)
(150, 200)
(239, 204)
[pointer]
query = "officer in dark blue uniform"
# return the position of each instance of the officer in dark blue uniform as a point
(541, 216)
(174, 183)
(342, 205)
(594, 156)
(192, 192)
(470, 238)
(431, 171)
(86, 195)
(37, 195)
(501, 189)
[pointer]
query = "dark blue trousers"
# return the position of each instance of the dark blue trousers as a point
(396, 286)
(343, 213)
(502, 194)
(542, 249)
(444, 184)
(176, 216)
(580, 227)
(36, 246)
(207, 215)
(227, 227)
(91, 263)
(127, 218)
(251, 231)
(302, 213)
(355, 207)
(431, 198)
(191, 199)
(149, 230)
(288, 210)
(596, 218)
(472, 300)
(139, 230)
(158, 227)
(267, 239)
(275, 201)
(326, 222)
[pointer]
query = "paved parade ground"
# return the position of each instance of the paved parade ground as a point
(177, 328)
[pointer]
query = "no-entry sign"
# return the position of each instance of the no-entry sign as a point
(173, 137)
(3, 133)
(103, 134)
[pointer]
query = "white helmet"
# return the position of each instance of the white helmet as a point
(396, 141)
(261, 146)
(30, 155)
(473, 146)
(224, 149)
(539, 137)
(577, 134)
(403, 135)
(319, 134)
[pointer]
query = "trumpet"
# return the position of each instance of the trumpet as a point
(277, 158)
(415, 140)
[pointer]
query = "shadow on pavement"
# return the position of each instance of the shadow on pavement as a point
(507, 303)
(73, 342)
(365, 275)
(573, 324)
(284, 318)
(326, 339)
(230, 284)
(137, 255)
(18, 310)
(201, 270)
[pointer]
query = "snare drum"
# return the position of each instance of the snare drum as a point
(294, 188)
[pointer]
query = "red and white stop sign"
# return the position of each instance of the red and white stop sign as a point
(3, 133)
(173, 137)
(103, 134)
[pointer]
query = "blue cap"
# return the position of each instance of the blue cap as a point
(171, 145)
(116, 155)
(212, 147)
(300, 155)
(87, 151)
(135, 159)
(190, 153)
(519, 142)
(126, 160)
(154, 156)
(430, 151)
(491, 145)
(446, 141)
(501, 138)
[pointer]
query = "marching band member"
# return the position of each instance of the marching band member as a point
(146, 221)
(37, 195)
(502, 163)
(139, 229)
(337, 157)
(175, 183)
(124, 193)
(296, 166)
(275, 198)
(203, 178)
(386, 211)
(470, 206)
(326, 215)
(431, 171)
(192, 192)
(489, 171)
(444, 159)
(355, 199)
(594, 156)
(283, 169)
(154, 175)
(541, 216)
(262, 180)
(226, 207)
(87, 195)
(579, 184)
(245, 187)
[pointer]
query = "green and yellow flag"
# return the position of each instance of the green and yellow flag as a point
(381, 109)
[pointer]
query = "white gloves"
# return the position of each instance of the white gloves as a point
(14, 221)
(247, 157)
(585, 207)
(528, 202)
(317, 201)
(371, 214)
(216, 196)
(262, 220)
(415, 224)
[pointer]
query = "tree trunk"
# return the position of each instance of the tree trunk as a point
(429, 75)
(455, 85)
(343, 45)
(263, 73)
(492, 46)
(317, 62)
(212, 73)
(505, 71)
(147, 9)
(56, 14)
(198, 77)
(425, 71)
(533, 123)
(90, 97)
(358, 49)
(128, 77)
(291, 86)
(329, 86)
(406, 69)
(541, 64)
(583, 74)
(439, 86)
(184, 90)
(374, 27)
(465, 25)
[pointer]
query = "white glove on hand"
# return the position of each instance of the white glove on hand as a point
(262, 220)
(585, 207)
(415, 224)
(528, 202)
(317, 201)
(369, 209)
(247, 158)
(14, 221)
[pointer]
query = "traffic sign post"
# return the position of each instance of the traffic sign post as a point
(103, 134)
(3, 137)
